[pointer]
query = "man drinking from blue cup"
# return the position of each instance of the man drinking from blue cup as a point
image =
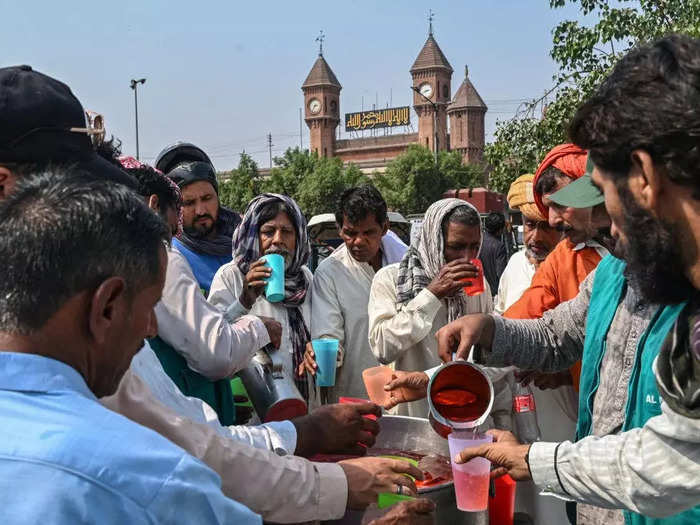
(272, 225)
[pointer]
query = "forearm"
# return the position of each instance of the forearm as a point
(651, 470)
(284, 489)
(531, 344)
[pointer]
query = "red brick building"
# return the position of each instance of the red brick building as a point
(432, 76)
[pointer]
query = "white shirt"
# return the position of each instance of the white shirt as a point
(280, 437)
(211, 344)
(226, 288)
(405, 334)
(283, 489)
(516, 278)
(341, 293)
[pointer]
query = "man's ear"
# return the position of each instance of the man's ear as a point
(645, 181)
(153, 203)
(7, 182)
(108, 307)
(385, 228)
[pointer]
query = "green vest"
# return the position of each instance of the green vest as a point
(217, 394)
(643, 400)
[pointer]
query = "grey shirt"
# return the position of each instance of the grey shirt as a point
(555, 341)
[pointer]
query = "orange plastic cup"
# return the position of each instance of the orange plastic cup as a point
(375, 378)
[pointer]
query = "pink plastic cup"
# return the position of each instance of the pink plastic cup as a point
(471, 479)
(375, 378)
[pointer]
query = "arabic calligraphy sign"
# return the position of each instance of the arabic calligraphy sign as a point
(380, 118)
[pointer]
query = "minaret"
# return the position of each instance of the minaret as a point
(322, 104)
(466, 113)
(431, 74)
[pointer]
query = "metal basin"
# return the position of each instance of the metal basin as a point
(416, 434)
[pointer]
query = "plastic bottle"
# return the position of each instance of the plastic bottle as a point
(526, 426)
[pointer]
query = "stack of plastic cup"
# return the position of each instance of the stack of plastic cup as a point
(375, 378)
(274, 289)
(326, 351)
(471, 479)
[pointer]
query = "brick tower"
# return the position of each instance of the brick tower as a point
(466, 114)
(322, 105)
(432, 74)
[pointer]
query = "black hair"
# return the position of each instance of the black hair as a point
(150, 182)
(110, 150)
(465, 215)
(64, 231)
(358, 203)
(270, 210)
(651, 102)
(495, 223)
(549, 179)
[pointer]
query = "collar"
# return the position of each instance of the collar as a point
(602, 250)
(36, 373)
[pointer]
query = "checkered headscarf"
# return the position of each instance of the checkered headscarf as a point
(246, 250)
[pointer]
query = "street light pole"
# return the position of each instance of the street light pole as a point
(134, 83)
(435, 109)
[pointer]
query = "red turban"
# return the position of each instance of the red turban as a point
(567, 158)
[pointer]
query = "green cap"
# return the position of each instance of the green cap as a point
(581, 193)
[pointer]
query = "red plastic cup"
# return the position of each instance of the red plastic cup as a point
(475, 286)
(502, 504)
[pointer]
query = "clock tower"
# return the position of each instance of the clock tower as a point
(432, 74)
(322, 105)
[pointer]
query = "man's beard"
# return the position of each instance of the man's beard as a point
(652, 252)
(196, 232)
(284, 253)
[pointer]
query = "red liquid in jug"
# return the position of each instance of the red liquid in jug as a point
(460, 394)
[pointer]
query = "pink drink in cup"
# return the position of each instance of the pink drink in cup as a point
(375, 378)
(471, 479)
(475, 286)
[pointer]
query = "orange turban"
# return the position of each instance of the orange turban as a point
(567, 158)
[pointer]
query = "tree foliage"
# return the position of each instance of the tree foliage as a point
(315, 183)
(412, 182)
(584, 53)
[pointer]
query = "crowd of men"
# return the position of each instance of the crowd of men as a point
(131, 297)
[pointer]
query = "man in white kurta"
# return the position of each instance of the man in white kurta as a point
(403, 332)
(342, 284)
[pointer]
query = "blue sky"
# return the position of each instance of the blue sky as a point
(223, 74)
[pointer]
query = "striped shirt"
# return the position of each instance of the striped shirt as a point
(651, 470)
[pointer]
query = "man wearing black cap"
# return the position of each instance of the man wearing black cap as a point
(42, 123)
(207, 226)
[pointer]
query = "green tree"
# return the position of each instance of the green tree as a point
(412, 182)
(584, 53)
(240, 185)
(289, 171)
(319, 191)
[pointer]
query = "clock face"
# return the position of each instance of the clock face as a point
(426, 90)
(314, 105)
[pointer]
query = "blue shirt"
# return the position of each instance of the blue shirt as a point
(204, 266)
(65, 459)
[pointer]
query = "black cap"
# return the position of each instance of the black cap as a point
(189, 172)
(41, 121)
(179, 153)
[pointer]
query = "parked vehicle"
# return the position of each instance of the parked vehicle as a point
(324, 236)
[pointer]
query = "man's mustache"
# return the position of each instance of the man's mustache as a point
(204, 216)
(563, 228)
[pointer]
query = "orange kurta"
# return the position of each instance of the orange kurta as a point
(557, 280)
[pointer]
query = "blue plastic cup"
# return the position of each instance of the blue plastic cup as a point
(274, 289)
(326, 351)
